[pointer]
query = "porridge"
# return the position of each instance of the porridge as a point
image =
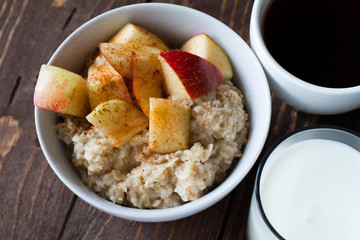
(133, 176)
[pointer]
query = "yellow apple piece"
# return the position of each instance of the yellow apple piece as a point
(189, 75)
(119, 55)
(169, 126)
(147, 79)
(205, 47)
(104, 83)
(137, 35)
(118, 120)
(62, 91)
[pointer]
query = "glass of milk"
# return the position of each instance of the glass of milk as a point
(308, 187)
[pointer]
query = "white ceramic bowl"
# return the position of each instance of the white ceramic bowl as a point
(296, 92)
(174, 24)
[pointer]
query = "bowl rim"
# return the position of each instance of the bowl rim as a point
(187, 209)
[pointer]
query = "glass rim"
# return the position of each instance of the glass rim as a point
(279, 142)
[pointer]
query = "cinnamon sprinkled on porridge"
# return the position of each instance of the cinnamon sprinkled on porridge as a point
(132, 176)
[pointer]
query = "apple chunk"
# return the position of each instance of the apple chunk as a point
(188, 75)
(205, 47)
(169, 126)
(61, 91)
(119, 55)
(104, 83)
(147, 79)
(118, 120)
(134, 34)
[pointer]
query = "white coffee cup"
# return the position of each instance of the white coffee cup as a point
(297, 93)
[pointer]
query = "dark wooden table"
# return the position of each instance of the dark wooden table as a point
(34, 203)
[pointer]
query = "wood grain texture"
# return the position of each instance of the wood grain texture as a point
(93, 224)
(34, 203)
(58, 3)
(10, 133)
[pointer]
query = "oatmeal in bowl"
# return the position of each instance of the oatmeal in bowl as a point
(133, 176)
(171, 131)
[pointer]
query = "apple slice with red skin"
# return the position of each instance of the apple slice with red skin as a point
(147, 79)
(61, 91)
(104, 83)
(189, 75)
(205, 47)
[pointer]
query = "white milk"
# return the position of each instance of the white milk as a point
(312, 191)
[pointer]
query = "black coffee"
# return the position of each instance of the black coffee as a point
(316, 40)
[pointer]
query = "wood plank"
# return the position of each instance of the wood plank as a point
(87, 222)
(36, 202)
(35, 199)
